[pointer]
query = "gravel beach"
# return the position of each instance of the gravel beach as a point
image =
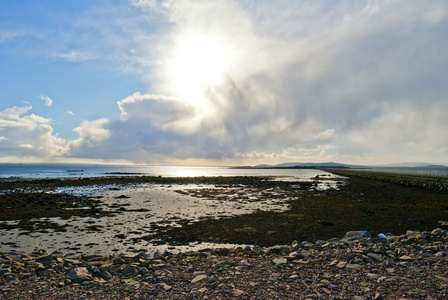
(324, 245)
(410, 266)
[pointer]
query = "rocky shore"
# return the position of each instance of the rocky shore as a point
(409, 266)
(361, 265)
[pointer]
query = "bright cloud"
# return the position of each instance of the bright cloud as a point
(92, 131)
(255, 80)
(26, 135)
(271, 85)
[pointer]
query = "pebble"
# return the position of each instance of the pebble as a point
(199, 278)
(363, 268)
(278, 261)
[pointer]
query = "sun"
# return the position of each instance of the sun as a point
(198, 63)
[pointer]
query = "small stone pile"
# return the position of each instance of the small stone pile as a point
(410, 266)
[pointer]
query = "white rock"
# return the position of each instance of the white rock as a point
(279, 261)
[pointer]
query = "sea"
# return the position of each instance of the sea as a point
(13, 171)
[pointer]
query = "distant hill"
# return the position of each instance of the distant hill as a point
(339, 165)
(412, 165)
(309, 165)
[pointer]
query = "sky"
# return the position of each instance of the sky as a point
(223, 82)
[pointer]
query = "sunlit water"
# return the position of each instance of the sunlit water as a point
(64, 171)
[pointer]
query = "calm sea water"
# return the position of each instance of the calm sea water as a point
(66, 171)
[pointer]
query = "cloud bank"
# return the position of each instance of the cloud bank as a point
(245, 81)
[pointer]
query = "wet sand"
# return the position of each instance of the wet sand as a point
(108, 216)
(129, 215)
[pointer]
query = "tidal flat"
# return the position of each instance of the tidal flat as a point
(133, 214)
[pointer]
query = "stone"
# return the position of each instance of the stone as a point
(94, 270)
(353, 266)
(376, 256)
(439, 254)
(92, 258)
(79, 275)
(130, 270)
(44, 258)
(74, 262)
(279, 261)
(164, 286)
(325, 282)
(199, 278)
(119, 261)
(258, 249)
(306, 244)
(302, 262)
(106, 275)
(5, 271)
(443, 278)
(437, 232)
(356, 235)
(143, 270)
(334, 262)
(405, 257)
(278, 250)
(293, 255)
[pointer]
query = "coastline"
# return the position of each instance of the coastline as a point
(411, 264)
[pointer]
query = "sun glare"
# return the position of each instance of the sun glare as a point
(199, 62)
